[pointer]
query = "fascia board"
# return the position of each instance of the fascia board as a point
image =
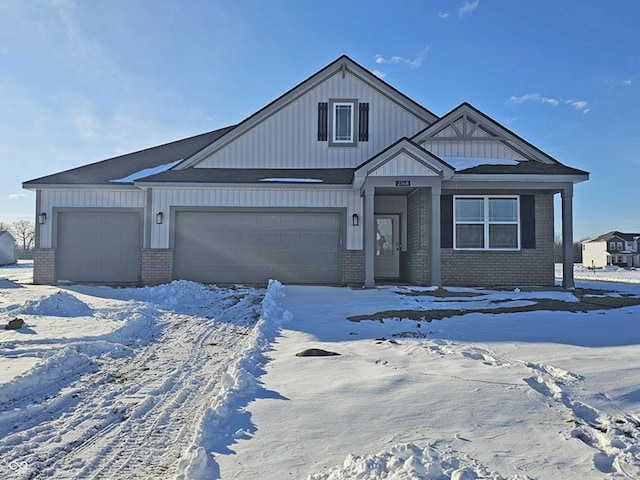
(521, 178)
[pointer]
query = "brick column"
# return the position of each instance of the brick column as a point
(44, 266)
(156, 266)
(353, 271)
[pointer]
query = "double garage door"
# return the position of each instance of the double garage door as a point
(253, 247)
(95, 246)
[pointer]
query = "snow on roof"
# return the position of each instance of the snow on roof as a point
(146, 172)
(462, 163)
(292, 180)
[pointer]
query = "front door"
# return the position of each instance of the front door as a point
(387, 252)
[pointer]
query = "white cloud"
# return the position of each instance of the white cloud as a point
(468, 7)
(443, 14)
(413, 63)
(627, 83)
(534, 97)
(379, 74)
(16, 196)
(579, 105)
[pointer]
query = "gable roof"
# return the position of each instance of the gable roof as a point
(339, 67)
(416, 156)
(480, 127)
(106, 172)
(605, 237)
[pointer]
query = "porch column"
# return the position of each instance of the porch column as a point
(434, 264)
(567, 237)
(369, 237)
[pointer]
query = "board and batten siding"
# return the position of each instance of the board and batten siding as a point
(163, 199)
(289, 137)
(51, 199)
(471, 148)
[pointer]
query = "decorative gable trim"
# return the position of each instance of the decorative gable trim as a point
(339, 67)
(466, 128)
(405, 158)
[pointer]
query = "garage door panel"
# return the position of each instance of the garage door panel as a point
(252, 247)
(98, 246)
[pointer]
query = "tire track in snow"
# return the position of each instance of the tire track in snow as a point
(135, 416)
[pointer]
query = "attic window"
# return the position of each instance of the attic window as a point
(340, 120)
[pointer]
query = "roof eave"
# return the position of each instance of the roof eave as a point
(78, 186)
(539, 178)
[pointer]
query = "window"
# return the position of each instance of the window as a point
(486, 223)
(612, 246)
(343, 122)
(619, 245)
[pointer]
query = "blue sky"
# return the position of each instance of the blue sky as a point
(81, 81)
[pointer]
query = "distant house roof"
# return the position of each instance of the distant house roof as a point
(107, 171)
(629, 237)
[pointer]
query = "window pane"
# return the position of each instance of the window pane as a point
(503, 236)
(469, 236)
(384, 237)
(469, 210)
(343, 123)
(503, 210)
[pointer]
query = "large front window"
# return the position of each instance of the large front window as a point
(486, 223)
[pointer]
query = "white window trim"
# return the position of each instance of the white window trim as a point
(333, 104)
(486, 223)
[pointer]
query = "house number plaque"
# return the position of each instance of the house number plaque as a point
(403, 183)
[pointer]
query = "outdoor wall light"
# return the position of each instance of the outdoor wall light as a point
(42, 218)
(355, 220)
(159, 217)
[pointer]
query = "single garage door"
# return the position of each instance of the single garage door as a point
(253, 247)
(100, 247)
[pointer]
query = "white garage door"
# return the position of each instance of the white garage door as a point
(100, 247)
(253, 247)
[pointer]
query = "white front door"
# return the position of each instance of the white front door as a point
(387, 251)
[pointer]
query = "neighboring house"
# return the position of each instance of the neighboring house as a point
(341, 180)
(612, 248)
(7, 248)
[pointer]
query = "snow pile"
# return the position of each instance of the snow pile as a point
(408, 461)
(66, 358)
(218, 427)
(60, 304)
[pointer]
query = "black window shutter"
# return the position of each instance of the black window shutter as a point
(446, 221)
(528, 221)
(363, 123)
(323, 114)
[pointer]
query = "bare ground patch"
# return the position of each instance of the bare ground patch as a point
(588, 300)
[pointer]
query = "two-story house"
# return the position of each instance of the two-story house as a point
(612, 248)
(341, 180)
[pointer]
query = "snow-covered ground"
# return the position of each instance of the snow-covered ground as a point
(610, 273)
(188, 381)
